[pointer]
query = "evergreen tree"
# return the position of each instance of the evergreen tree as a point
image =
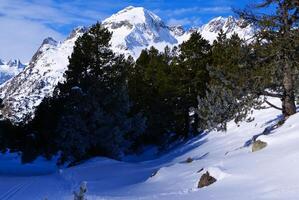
(90, 113)
(192, 77)
(164, 86)
(96, 117)
(229, 93)
(11, 137)
(277, 43)
(151, 90)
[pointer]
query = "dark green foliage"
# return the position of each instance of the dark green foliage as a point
(96, 117)
(9, 136)
(164, 87)
(89, 114)
(276, 47)
(109, 105)
(194, 58)
(192, 76)
(151, 89)
(229, 95)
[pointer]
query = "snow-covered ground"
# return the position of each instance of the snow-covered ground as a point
(271, 173)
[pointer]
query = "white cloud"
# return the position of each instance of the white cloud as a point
(24, 24)
(21, 38)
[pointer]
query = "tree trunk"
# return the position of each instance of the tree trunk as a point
(288, 100)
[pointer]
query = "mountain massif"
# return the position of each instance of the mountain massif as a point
(133, 28)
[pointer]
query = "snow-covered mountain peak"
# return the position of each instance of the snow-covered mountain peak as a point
(15, 63)
(49, 41)
(229, 25)
(218, 23)
(77, 31)
(134, 15)
(135, 28)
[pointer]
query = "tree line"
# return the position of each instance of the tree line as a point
(110, 105)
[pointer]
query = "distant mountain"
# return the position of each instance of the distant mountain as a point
(134, 29)
(10, 69)
(229, 25)
(25, 91)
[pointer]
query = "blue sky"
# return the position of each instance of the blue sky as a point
(25, 23)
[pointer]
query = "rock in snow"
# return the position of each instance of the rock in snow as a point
(134, 29)
(258, 145)
(205, 180)
(270, 174)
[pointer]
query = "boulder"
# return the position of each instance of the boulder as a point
(206, 180)
(189, 160)
(258, 145)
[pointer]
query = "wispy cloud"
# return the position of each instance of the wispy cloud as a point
(49, 11)
(25, 23)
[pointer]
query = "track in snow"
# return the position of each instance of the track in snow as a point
(13, 191)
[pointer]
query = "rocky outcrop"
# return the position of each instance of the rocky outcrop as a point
(205, 180)
(258, 145)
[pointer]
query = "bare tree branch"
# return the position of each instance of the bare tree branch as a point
(272, 105)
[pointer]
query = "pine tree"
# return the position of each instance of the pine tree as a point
(277, 43)
(229, 93)
(164, 86)
(150, 89)
(96, 117)
(90, 113)
(192, 77)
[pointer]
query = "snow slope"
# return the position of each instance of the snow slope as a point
(271, 173)
(10, 69)
(25, 91)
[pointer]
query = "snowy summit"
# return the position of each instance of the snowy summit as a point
(135, 28)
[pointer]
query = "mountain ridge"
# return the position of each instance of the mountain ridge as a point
(10, 69)
(133, 29)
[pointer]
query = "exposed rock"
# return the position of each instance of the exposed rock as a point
(189, 160)
(177, 30)
(258, 145)
(206, 180)
(154, 173)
